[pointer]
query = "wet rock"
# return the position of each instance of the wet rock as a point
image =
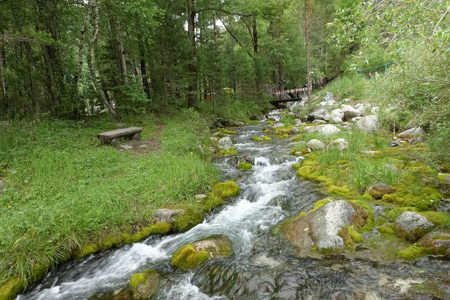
(369, 124)
(316, 145)
(225, 143)
(192, 255)
(340, 144)
(349, 112)
(377, 191)
(320, 227)
(410, 133)
(412, 226)
(278, 125)
(437, 242)
(329, 130)
(144, 285)
(165, 215)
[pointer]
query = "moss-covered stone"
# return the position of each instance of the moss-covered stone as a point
(296, 166)
(296, 139)
(413, 253)
(226, 189)
(342, 191)
(188, 219)
(187, 257)
(87, 250)
(244, 166)
(386, 230)
(144, 285)
(261, 138)
(192, 255)
(443, 177)
(226, 131)
(211, 202)
(12, 288)
(228, 152)
(437, 218)
(436, 288)
(350, 236)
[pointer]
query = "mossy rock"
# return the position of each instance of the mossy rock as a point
(437, 289)
(226, 131)
(244, 166)
(144, 285)
(211, 202)
(261, 138)
(413, 253)
(437, 242)
(12, 288)
(228, 152)
(192, 255)
(444, 177)
(188, 219)
(350, 236)
(226, 189)
(87, 250)
(296, 166)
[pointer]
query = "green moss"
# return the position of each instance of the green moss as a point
(211, 202)
(443, 177)
(226, 189)
(87, 250)
(187, 257)
(188, 219)
(228, 152)
(342, 191)
(244, 166)
(144, 285)
(432, 287)
(296, 139)
(386, 230)
(350, 236)
(321, 203)
(381, 221)
(413, 253)
(12, 288)
(436, 217)
(327, 251)
(363, 217)
(226, 131)
(397, 211)
(296, 166)
(261, 138)
(158, 228)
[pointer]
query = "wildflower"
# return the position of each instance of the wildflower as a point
(9, 206)
(192, 153)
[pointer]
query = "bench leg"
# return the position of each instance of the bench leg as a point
(136, 137)
(114, 141)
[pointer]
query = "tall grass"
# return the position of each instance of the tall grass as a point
(62, 186)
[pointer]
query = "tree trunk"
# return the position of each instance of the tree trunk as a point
(308, 72)
(192, 66)
(101, 89)
(5, 97)
(143, 67)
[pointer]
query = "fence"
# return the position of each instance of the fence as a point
(385, 66)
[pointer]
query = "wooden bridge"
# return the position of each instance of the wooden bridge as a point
(288, 96)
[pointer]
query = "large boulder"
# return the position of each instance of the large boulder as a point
(192, 255)
(320, 228)
(316, 145)
(361, 108)
(368, 124)
(225, 143)
(410, 133)
(311, 129)
(412, 226)
(349, 112)
(144, 285)
(329, 130)
(320, 114)
(378, 190)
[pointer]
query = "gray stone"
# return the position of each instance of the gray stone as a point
(126, 147)
(278, 125)
(328, 97)
(316, 145)
(340, 144)
(295, 130)
(200, 196)
(329, 130)
(349, 112)
(225, 143)
(412, 226)
(361, 108)
(437, 242)
(375, 109)
(298, 122)
(369, 124)
(320, 114)
(165, 215)
(413, 132)
(336, 120)
(311, 129)
(337, 113)
(319, 122)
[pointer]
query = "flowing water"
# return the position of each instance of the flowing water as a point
(262, 265)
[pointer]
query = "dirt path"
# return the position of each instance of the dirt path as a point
(144, 146)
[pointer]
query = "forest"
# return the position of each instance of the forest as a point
(70, 69)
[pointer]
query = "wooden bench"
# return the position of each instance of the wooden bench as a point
(112, 137)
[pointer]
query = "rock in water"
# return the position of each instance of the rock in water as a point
(145, 284)
(225, 143)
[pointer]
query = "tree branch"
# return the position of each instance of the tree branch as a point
(435, 31)
(225, 12)
(232, 35)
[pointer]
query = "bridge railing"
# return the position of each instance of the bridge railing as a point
(385, 66)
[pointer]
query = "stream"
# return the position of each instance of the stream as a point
(262, 265)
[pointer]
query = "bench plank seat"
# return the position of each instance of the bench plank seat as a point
(132, 132)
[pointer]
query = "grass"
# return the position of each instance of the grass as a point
(62, 187)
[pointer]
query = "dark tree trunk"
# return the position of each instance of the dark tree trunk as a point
(144, 68)
(192, 66)
(308, 72)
